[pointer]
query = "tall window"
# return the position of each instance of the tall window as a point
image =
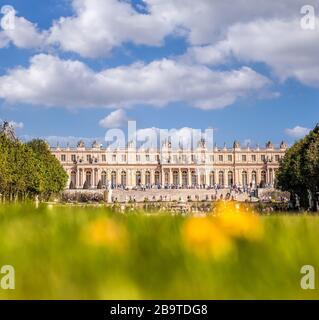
(103, 178)
(194, 178)
(230, 158)
(244, 178)
(243, 158)
(147, 157)
(263, 157)
(147, 178)
(184, 178)
(221, 178)
(73, 157)
(123, 157)
(175, 177)
(212, 178)
(63, 157)
(73, 180)
(230, 178)
(103, 158)
(253, 158)
(113, 178)
(138, 158)
(123, 178)
(157, 178)
(114, 157)
(138, 178)
(88, 178)
(220, 158)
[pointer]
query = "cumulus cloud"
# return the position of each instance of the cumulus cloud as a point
(115, 119)
(297, 132)
(50, 81)
(98, 25)
(23, 34)
(282, 44)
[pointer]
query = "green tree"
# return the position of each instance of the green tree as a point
(54, 177)
(299, 170)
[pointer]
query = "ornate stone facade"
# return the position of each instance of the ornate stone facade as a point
(97, 167)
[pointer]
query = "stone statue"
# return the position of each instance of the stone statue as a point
(8, 130)
(110, 191)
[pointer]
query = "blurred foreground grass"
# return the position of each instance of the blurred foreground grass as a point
(66, 252)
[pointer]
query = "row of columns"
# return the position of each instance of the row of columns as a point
(170, 176)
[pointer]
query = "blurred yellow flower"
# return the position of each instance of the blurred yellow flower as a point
(204, 238)
(106, 232)
(238, 220)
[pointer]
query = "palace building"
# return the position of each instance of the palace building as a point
(97, 167)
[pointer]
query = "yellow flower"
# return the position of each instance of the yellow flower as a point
(106, 232)
(238, 220)
(203, 237)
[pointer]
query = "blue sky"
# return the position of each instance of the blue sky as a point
(279, 94)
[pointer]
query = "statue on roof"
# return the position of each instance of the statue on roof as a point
(81, 144)
(8, 130)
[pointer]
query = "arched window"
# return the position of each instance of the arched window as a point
(184, 178)
(254, 178)
(73, 180)
(138, 177)
(157, 178)
(212, 178)
(194, 178)
(230, 178)
(175, 177)
(103, 178)
(221, 178)
(88, 178)
(113, 178)
(147, 178)
(123, 178)
(244, 178)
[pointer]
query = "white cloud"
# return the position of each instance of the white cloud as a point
(98, 25)
(297, 132)
(115, 119)
(50, 81)
(16, 125)
(25, 34)
(282, 44)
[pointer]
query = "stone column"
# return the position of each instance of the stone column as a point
(180, 177)
(207, 173)
(143, 177)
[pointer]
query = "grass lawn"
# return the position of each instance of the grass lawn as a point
(62, 252)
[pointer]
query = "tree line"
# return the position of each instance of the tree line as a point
(299, 171)
(28, 170)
